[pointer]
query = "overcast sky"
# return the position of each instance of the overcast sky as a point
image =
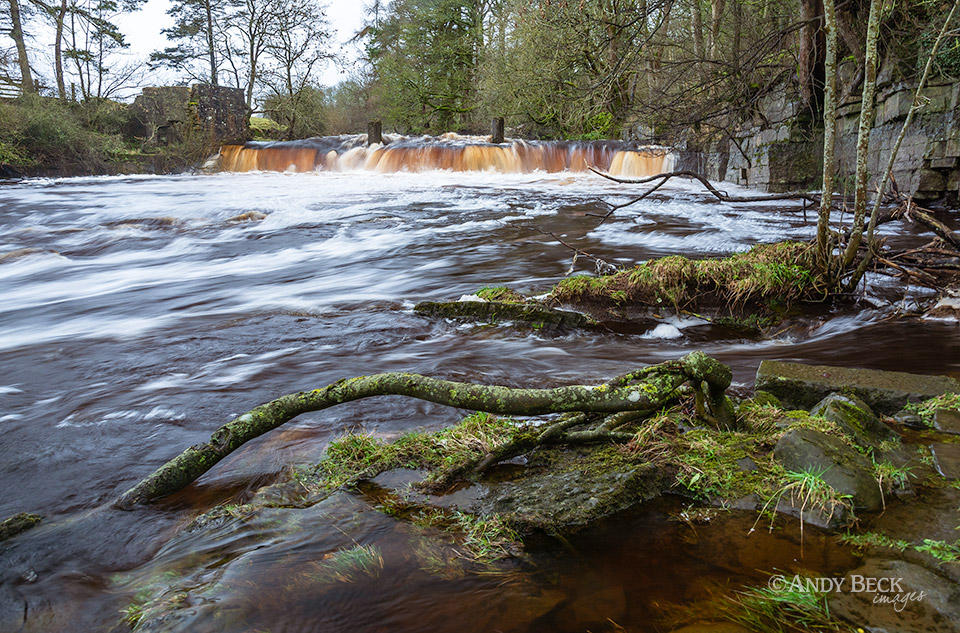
(142, 29)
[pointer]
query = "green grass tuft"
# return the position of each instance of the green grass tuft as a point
(927, 409)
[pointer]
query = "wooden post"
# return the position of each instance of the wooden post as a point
(374, 133)
(496, 132)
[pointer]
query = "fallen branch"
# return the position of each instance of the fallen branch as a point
(602, 267)
(924, 277)
(644, 390)
(614, 208)
(720, 195)
(924, 216)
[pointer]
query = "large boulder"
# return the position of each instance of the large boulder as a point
(802, 386)
(836, 462)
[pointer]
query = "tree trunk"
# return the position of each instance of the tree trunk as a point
(16, 33)
(829, 137)
(716, 15)
(642, 390)
(211, 49)
(696, 27)
(58, 51)
(863, 134)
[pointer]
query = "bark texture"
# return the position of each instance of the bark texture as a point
(643, 390)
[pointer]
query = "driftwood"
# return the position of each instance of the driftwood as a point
(719, 195)
(643, 391)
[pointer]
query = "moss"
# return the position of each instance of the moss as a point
(18, 523)
(768, 276)
(532, 315)
(357, 455)
(480, 539)
(500, 293)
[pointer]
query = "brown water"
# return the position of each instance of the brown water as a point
(136, 318)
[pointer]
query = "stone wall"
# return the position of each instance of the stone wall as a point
(775, 151)
(211, 115)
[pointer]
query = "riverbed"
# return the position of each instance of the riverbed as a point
(140, 313)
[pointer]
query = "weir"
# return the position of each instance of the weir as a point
(449, 152)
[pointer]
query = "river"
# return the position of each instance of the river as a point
(137, 316)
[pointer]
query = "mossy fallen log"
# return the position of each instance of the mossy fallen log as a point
(644, 390)
(533, 315)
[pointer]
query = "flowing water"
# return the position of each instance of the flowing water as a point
(137, 316)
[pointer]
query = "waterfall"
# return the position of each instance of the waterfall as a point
(450, 152)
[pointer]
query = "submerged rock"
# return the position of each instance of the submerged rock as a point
(564, 489)
(886, 392)
(908, 597)
(832, 460)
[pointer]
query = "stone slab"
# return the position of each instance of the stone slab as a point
(803, 386)
(947, 421)
(948, 459)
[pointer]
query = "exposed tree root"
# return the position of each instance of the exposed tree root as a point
(644, 391)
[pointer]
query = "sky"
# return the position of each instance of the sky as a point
(142, 29)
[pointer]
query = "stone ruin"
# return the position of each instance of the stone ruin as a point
(174, 114)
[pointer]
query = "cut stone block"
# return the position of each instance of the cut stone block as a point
(803, 386)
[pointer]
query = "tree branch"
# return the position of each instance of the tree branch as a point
(647, 396)
(720, 195)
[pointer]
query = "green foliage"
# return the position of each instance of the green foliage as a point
(263, 129)
(41, 131)
(927, 409)
(808, 488)
(350, 106)
(301, 114)
(706, 461)
(599, 126)
(426, 56)
(480, 539)
(941, 550)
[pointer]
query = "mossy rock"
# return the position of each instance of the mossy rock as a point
(854, 417)
(531, 315)
(802, 386)
(18, 523)
(564, 489)
(836, 462)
